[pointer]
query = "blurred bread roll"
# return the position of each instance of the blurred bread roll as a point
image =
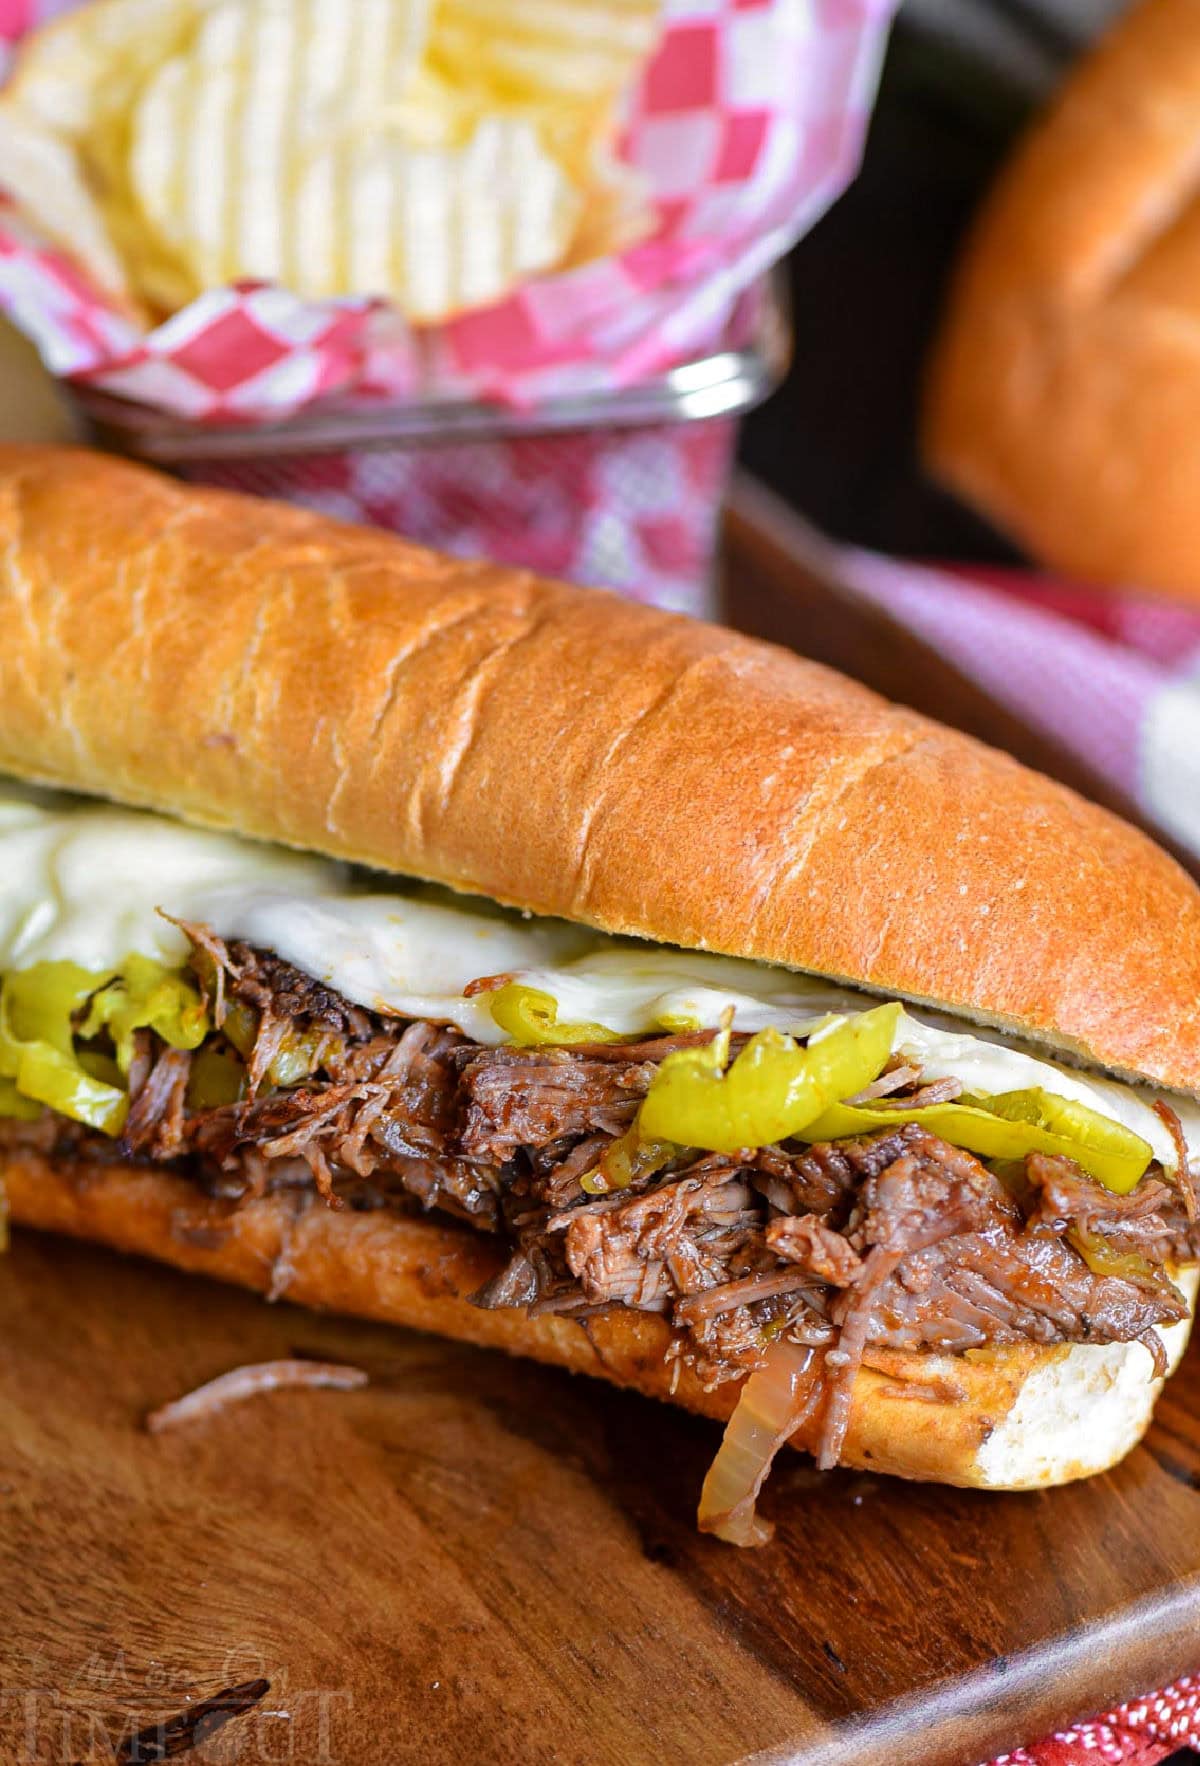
(1063, 397)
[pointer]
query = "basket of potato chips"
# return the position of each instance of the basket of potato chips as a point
(224, 213)
(227, 208)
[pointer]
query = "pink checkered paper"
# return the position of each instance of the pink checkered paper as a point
(747, 122)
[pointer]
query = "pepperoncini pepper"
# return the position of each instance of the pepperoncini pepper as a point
(1103, 1258)
(49, 1008)
(59, 1081)
(40, 1003)
(625, 1160)
(13, 1103)
(530, 1018)
(1009, 1125)
(299, 1053)
(37, 1045)
(773, 1089)
(216, 1078)
(145, 995)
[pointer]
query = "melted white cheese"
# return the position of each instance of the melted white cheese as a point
(91, 884)
(85, 884)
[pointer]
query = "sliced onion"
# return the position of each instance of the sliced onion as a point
(778, 1396)
(247, 1382)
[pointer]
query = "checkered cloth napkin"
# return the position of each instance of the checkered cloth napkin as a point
(1115, 679)
(1140, 1733)
(747, 121)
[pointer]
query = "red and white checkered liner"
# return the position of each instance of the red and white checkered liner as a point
(633, 509)
(1140, 1733)
(746, 124)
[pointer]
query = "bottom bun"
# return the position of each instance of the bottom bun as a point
(1010, 1418)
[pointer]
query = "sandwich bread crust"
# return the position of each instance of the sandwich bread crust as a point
(1011, 1418)
(256, 667)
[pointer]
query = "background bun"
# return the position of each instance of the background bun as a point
(1010, 1418)
(1064, 392)
(249, 665)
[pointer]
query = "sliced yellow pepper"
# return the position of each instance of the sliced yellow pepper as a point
(298, 1056)
(240, 1026)
(772, 1091)
(40, 1003)
(623, 1160)
(146, 996)
(1103, 1258)
(216, 1078)
(59, 1081)
(530, 1018)
(40, 1061)
(37, 1050)
(13, 1104)
(1009, 1125)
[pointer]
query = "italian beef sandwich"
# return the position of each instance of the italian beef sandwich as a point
(422, 940)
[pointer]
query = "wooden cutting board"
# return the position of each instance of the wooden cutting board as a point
(481, 1560)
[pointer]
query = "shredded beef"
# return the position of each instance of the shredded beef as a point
(1068, 1200)
(676, 1239)
(898, 1075)
(823, 1254)
(975, 1289)
(823, 1179)
(397, 1124)
(949, 1263)
(1183, 1172)
(892, 1240)
(743, 1292)
(155, 1124)
(931, 1191)
(274, 988)
(517, 1284)
(531, 1097)
(261, 979)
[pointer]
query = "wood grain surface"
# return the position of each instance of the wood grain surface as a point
(481, 1560)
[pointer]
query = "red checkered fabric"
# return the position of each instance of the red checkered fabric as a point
(1140, 1733)
(746, 123)
(629, 509)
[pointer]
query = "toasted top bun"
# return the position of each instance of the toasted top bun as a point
(1064, 393)
(1014, 1417)
(252, 666)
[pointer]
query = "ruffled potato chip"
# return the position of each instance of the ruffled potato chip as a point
(432, 152)
(293, 141)
(542, 51)
(62, 118)
(41, 174)
(85, 65)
